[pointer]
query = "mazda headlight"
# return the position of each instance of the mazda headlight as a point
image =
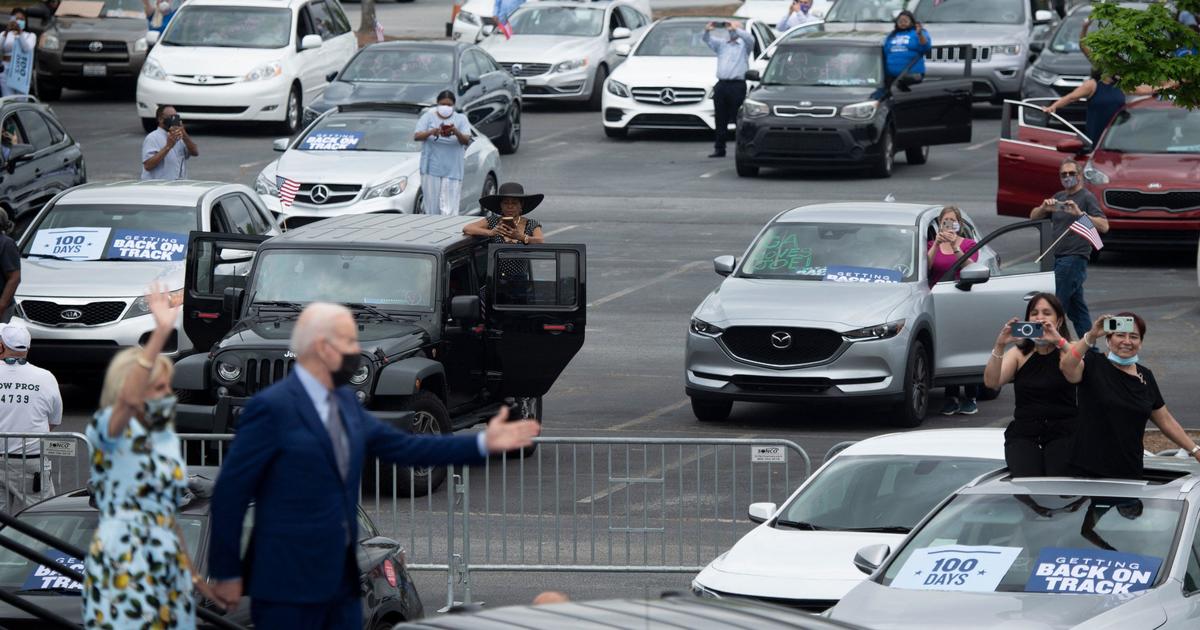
(755, 109)
(140, 45)
(860, 111)
(469, 18)
(388, 189)
(871, 333)
(360, 375)
(1043, 76)
(1009, 50)
(152, 70)
(567, 66)
(228, 372)
(265, 186)
(268, 71)
(1094, 175)
(50, 41)
(616, 88)
(701, 327)
(141, 306)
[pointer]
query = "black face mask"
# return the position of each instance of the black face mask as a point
(349, 366)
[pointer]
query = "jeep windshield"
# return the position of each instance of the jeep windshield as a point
(971, 11)
(111, 232)
(230, 27)
(367, 131)
(864, 10)
(834, 252)
(1173, 130)
(385, 280)
(675, 39)
(818, 65)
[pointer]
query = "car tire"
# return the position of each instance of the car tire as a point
(711, 409)
(745, 169)
(419, 202)
(431, 418)
(918, 381)
(916, 155)
(887, 159)
(597, 95)
(616, 132)
(149, 124)
(49, 90)
(510, 141)
(293, 112)
(489, 188)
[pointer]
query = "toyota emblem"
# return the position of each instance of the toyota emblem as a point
(666, 96)
(319, 194)
(781, 340)
(70, 314)
(96, 46)
(517, 68)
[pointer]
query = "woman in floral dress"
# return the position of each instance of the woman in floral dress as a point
(138, 574)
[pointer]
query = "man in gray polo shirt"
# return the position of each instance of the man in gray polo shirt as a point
(165, 150)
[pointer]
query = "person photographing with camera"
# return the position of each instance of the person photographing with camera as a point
(1117, 395)
(733, 45)
(1077, 220)
(166, 150)
(444, 134)
(798, 15)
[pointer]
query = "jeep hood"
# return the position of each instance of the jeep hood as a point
(272, 330)
(808, 303)
(46, 278)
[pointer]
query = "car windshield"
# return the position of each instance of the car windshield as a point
(885, 492)
(971, 11)
(380, 279)
(121, 9)
(1174, 130)
(1066, 38)
(1037, 533)
(675, 39)
(864, 10)
(75, 528)
(566, 21)
(230, 27)
(834, 252)
(400, 66)
(112, 232)
(815, 65)
(362, 132)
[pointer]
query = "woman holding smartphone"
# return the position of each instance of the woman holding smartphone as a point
(505, 221)
(1037, 442)
(1117, 394)
(445, 135)
(947, 246)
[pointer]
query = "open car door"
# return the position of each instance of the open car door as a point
(214, 262)
(1033, 144)
(967, 316)
(536, 313)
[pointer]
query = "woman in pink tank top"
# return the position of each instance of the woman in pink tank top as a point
(944, 250)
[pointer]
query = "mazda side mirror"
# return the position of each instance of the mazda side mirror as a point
(1074, 146)
(152, 38)
(487, 29)
(1042, 16)
(310, 42)
(760, 512)
(465, 308)
(870, 558)
(1037, 46)
(973, 274)
(724, 265)
(621, 33)
(280, 144)
(753, 75)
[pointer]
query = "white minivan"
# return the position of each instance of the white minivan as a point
(245, 60)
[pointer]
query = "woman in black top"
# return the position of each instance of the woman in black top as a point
(1116, 396)
(1038, 441)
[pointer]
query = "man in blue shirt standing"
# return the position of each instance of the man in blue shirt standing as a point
(733, 46)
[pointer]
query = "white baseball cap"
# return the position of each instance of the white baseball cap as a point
(15, 337)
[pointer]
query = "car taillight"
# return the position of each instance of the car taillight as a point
(389, 571)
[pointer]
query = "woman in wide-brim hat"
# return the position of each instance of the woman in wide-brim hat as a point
(505, 221)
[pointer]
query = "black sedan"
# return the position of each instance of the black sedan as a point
(415, 72)
(389, 595)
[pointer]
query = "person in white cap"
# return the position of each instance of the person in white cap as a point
(29, 403)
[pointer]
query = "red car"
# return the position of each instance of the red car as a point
(1145, 170)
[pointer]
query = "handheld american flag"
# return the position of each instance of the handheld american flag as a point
(287, 190)
(1084, 227)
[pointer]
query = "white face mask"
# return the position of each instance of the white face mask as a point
(164, 7)
(445, 111)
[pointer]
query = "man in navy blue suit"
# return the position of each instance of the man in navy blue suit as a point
(298, 456)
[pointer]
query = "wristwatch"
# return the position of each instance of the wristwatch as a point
(1194, 449)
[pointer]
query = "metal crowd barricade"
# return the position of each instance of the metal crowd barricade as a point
(60, 460)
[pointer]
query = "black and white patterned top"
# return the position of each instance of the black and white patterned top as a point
(493, 220)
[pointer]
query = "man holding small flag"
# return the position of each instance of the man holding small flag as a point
(1077, 220)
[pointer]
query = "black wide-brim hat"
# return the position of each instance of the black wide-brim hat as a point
(511, 190)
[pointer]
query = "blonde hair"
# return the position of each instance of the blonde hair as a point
(118, 370)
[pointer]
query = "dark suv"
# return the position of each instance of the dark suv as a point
(435, 357)
(39, 158)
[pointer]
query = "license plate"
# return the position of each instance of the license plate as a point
(95, 70)
(521, 84)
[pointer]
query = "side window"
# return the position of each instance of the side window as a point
(304, 25)
(237, 215)
(366, 529)
(321, 19)
(1191, 579)
(56, 133)
(12, 132)
(257, 219)
(1010, 253)
(614, 21)
(633, 19)
(36, 131)
(486, 61)
(482, 62)
(461, 279)
(470, 68)
(341, 23)
(536, 278)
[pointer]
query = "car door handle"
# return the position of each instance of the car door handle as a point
(1015, 157)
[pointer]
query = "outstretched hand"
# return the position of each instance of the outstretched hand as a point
(502, 436)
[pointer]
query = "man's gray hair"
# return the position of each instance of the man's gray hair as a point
(316, 322)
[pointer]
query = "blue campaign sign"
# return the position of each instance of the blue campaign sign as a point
(44, 577)
(147, 245)
(1091, 571)
(331, 141)
(844, 273)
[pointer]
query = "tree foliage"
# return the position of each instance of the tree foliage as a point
(1148, 47)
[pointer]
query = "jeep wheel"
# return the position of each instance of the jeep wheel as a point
(429, 418)
(918, 380)
(711, 410)
(916, 155)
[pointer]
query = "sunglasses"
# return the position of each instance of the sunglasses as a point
(1066, 173)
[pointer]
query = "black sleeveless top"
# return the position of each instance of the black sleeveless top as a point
(1042, 392)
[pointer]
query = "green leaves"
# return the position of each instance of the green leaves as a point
(1146, 48)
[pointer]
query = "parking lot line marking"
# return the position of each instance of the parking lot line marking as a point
(958, 171)
(1179, 313)
(980, 145)
(655, 472)
(651, 416)
(252, 164)
(711, 173)
(559, 230)
(550, 136)
(642, 285)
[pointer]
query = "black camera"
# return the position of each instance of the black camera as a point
(720, 24)
(172, 121)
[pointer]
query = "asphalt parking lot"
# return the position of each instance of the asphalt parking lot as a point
(654, 211)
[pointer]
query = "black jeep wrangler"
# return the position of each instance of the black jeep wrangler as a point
(435, 357)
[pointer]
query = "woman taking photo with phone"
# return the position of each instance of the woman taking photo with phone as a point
(505, 220)
(445, 135)
(1117, 394)
(947, 246)
(1037, 442)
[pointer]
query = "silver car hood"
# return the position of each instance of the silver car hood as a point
(804, 302)
(947, 33)
(95, 278)
(541, 48)
(876, 606)
(345, 167)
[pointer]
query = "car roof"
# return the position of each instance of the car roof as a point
(424, 44)
(569, 3)
(200, 482)
(278, 4)
(398, 231)
(846, 38)
(149, 192)
(698, 18)
(982, 443)
(1152, 103)
(1163, 478)
(669, 611)
(1085, 9)
(865, 212)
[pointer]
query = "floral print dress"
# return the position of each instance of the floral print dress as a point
(135, 574)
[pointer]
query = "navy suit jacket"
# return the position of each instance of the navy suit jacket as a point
(305, 515)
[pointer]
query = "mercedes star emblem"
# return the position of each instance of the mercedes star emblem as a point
(96, 46)
(319, 194)
(71, 314)
(517, 68)
(666, 96)
(781, 340)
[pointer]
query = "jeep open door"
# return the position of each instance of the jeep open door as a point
(536, 313)
(214, 262)
(1033, 144)
(935, 111)
(969, 313)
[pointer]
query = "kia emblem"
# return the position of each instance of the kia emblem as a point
(781, 340)
(1154, 185)
(96, 46)
(70, 314)
(805, 103)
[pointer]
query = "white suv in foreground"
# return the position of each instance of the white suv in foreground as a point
(245, 60)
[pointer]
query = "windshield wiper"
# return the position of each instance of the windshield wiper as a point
(291, 305)
(50, 256)
(891, 529)
(799, 525)
(59, 589)
(370, 309)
